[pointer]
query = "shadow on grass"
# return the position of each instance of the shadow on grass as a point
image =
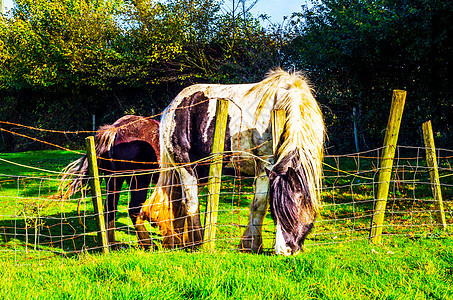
(61, 233)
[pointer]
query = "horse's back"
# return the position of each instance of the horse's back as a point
(188, 123)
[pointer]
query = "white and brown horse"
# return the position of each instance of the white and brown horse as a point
(292, 184)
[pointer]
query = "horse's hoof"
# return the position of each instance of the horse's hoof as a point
(172, 243)
(251, 245)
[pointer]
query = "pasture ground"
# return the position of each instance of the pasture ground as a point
(402, 268)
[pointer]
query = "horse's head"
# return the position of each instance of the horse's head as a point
(291, 208)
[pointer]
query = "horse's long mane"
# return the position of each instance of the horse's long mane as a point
(304, 129)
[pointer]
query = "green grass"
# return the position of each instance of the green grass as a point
(402, 269)
(29, 219)
(350, 184)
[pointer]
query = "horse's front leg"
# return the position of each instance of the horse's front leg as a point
(252, 239)
(179, 218)
(191, 204)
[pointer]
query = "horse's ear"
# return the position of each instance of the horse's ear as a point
(294, 178)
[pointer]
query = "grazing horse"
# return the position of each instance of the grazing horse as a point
(291, 184)
(127, 150)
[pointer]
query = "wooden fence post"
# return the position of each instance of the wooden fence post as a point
(215, 174)
(385, 168)
(96, 194)
(278, 119)
(431, 161)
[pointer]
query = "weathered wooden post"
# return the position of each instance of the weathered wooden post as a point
(278, 119)
(385, 168)
(431, 161)
(96, 194)
(215, 174)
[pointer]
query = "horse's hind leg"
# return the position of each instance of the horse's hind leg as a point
(252, 239)
(113, 195)
(139, 191)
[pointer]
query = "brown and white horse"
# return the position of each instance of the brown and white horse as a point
(127, 151)
(292, 184)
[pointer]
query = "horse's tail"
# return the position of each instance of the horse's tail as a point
(105, 139)
(75, 174)
(163, 205)
(74, 178)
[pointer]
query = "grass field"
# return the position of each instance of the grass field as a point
(401, 269)
(48, 247)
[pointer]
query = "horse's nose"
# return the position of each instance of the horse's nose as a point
(280, 244)
(286, 251)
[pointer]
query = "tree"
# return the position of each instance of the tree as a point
(358, 51)
(61, 43)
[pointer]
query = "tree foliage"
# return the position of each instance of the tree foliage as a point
(59, 43)
(358, 51)
(65, 60)
(62, 61)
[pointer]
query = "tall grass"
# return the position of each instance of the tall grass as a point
(402, 269)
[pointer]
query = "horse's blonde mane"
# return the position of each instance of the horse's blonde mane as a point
(304, 129)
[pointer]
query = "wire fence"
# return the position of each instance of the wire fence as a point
(35, 222)
(350, 185)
